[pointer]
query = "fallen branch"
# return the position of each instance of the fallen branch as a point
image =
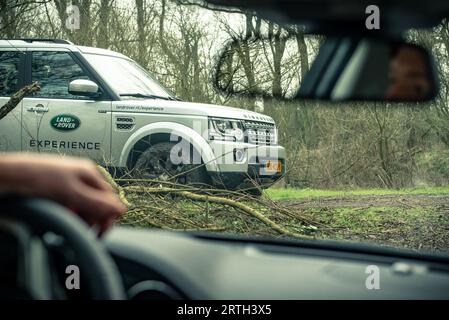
(241, 195)
(186, 192)
(110, 180)
(17, 97)
(219, 200)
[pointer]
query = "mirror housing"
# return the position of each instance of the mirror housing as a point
(82, 87)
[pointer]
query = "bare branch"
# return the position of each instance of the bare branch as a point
(17, 97)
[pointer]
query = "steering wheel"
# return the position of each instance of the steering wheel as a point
(96, 267)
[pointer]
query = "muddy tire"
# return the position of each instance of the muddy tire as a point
(254, 192)
(155, 163)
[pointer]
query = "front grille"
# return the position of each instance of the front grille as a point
(260, 133)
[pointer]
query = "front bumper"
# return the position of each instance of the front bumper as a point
(251, 170)
(245, 180)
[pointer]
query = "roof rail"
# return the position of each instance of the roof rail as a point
(58, 41)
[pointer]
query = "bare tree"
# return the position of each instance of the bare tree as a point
(83, 36)
(103, 27)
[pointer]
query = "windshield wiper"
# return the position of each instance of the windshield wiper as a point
(145, 96)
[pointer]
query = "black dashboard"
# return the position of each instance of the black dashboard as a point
(162, 265)
(157, 264)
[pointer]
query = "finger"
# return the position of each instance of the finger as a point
(104, 227)
(96, 180)
(99, 205)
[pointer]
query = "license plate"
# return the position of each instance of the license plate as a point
(273, 166)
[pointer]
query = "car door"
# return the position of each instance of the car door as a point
(11, 80)
(56, 121)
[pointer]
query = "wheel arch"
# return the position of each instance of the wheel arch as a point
(165, 132)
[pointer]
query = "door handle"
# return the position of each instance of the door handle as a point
(39, 109)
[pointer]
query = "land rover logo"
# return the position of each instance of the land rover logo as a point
(65, 122)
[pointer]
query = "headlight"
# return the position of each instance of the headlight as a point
(225, 129)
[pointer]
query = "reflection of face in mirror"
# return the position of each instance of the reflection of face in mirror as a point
(408, 75)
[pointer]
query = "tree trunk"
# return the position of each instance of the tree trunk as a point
(84, 35)
(103, 36)
(303, 54)
(141, 32)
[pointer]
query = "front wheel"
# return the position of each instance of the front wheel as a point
(166, 161)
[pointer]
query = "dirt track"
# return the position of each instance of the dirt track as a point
(418, 222)
(404, 201)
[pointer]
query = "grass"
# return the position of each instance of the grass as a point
(414, 226)
(291, 193)
(418, 228)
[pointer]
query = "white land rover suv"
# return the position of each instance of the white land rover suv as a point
(103, 105)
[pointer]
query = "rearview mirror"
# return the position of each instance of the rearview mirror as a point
(345, 69)
(82, 87)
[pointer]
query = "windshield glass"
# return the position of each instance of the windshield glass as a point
(126, 77)
(375, 172)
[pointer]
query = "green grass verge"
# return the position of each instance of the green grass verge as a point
(290, 193)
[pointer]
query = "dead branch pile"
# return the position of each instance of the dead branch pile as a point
(170, 206)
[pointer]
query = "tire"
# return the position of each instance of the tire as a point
(155, 163)
(254, 192)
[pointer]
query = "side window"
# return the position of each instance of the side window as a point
(9, 72)
(54, 71)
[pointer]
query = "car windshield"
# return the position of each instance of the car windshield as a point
(126, 77)
(364, 171)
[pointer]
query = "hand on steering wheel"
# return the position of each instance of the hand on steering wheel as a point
(75, 183)
(102, 280)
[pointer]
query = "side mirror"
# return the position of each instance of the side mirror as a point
(82, 87)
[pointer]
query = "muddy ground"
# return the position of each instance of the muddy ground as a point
(403, 201)
(417, 222)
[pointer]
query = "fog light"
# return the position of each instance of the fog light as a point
(239, 155)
